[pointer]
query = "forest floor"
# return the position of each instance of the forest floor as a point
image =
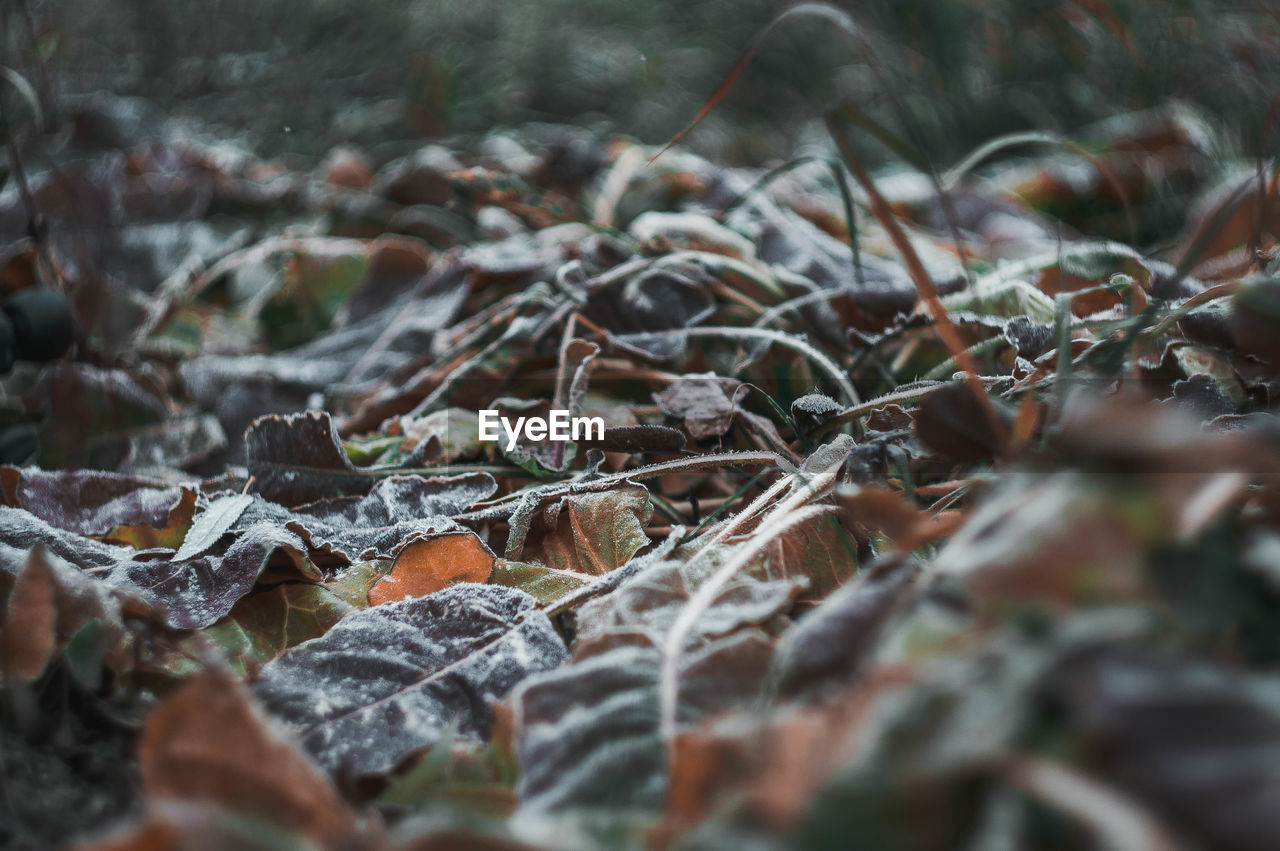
(925, 513)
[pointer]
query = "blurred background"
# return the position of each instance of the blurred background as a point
(299, 76)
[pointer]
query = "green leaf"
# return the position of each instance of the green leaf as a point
(262, 626)
(352, 585)
(545, 583)
(85, 652)
(364, 451)
(315, 284)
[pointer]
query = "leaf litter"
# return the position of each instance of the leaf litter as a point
(889, 538)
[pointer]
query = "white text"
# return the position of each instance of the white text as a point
(558, 426)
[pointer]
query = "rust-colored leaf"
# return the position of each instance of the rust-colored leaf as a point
(593, 533)
(50, 601)
(427, 565)
(30, 624)
(208, 743)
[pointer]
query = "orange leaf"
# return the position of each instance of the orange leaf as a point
(29, 638)
(50, 601)
(427, 565)
(142, 537)
(208, 743)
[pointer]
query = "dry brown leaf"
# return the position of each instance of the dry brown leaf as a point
(776, 767)
(31, 620)
(952, 424)
(884, 510)
(208, 743)
(427, 565)
(822, 550)
(592, 533)
(50, 601)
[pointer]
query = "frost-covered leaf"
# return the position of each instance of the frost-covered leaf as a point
(196, 592)
(656, 299)
(832, 644)
(20, 531)
(820, 550)
(396, 499)
(169, 536)
(298, 458)
(701, 403)
(642, 609)
(352, 585)
(386, 683)
(211, 524)
(536, 519)
(591, 533)
(298, 461)
(337, 541)
(545, 583)
(88, 502)
(588, 733)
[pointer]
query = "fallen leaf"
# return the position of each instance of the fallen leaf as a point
(211, 524)
(50, 602)
(387, 682)
(588, 533)
(299, 458)
(656, 299)
(208, 743)
(588, 734)
(195, 593)
(642, 609)
(700, 403)
(829, 648)
(262, 625)
(545, 583)
(353, 584)
(821, 551)
(89, 502)
(169, 536)
(426, 565)
(951, 423)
